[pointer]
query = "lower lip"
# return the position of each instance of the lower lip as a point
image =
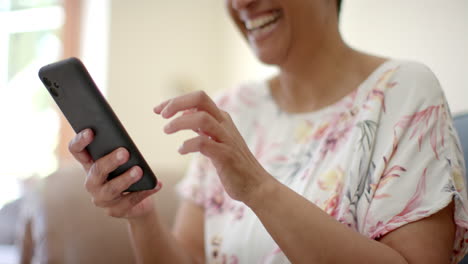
(263, 33)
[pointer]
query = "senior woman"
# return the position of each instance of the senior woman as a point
(343, 157)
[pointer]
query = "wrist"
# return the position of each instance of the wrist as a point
(149, 217)
(264, 192)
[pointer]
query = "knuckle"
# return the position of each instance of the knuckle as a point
(95, 170)
(74, 145)
(226, 114)
(113, 189)
(204, 118)
(87, 184)
(71, 146)
(201, 95)
(203, 144)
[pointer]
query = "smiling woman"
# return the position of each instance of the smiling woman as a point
(340, 151)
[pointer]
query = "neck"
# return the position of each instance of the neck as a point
(331, 71)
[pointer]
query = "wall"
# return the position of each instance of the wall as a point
(95, 24)
(430, 31)
(157, 48)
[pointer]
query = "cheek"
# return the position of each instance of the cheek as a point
(235, 19)
(241, 28)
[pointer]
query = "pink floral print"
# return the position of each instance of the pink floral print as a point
(420, 124)
(384, 156)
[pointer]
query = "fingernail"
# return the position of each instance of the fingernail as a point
(134, 173)
(159, 185)
(121, 155)
(167, 127)
(86, 134)
(180, 148)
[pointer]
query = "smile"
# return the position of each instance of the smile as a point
(262, 21)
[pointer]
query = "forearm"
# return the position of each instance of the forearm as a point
(154, 243)
(306, 234)
(26, 245)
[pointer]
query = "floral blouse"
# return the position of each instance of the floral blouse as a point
(381, 157)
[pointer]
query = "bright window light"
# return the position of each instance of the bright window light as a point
(29, 39)
(34, 19)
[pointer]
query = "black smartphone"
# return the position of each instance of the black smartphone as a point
(83, 105)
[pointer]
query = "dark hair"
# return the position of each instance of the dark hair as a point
(338, 2)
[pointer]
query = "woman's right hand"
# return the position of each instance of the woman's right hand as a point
(109, 194)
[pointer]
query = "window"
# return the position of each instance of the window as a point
(29, 39)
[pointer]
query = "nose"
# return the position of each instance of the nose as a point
(241, 4)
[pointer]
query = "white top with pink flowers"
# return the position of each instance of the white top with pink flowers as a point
(381, 157)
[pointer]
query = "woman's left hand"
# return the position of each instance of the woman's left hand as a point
(218, 139)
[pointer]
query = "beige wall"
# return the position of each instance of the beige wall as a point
(158, 47)
(430, 31)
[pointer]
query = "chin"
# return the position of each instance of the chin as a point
(269, 60)
(270, 56)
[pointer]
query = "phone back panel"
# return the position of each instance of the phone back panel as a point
(81, 102)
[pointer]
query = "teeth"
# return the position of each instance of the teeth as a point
(261, 21)
(263, 30)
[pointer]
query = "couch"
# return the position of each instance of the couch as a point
(59, 223)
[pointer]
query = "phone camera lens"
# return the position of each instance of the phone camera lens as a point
(53, 91)
(46, 81)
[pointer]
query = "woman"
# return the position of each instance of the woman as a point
(343, 157)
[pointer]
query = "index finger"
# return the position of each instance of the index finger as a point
(197, 100)
(77, 148)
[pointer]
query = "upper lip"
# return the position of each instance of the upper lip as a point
(246, 16)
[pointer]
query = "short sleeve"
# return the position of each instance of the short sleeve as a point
(417, 156)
